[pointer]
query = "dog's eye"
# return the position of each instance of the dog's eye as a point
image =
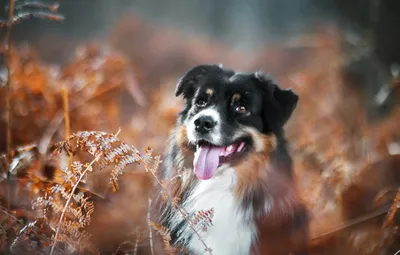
(201, 102)
(241, 109)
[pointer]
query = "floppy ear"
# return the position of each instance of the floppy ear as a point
(186, 83)
(278, 104)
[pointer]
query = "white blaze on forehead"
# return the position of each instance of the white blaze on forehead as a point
(211, 112)
(195, 96)
(214, 135)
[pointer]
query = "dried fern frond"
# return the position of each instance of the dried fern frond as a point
(37, 9)
(71, 208)
(21, 158)
(203, 219)
(151, 168)
(129, 246)
(393, 210)
(165, 235)
(37, 14)
(26, 238)
(107, 147)
(39, 5)
(63, 207)
(27, 234)
(8, 222)
(71, 230)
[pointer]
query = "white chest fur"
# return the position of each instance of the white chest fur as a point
(232, 231)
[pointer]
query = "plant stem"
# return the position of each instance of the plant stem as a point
(67, 125)
(68, 201)
(66, 113)
(178, 207)
(8, 63)
(149, 225)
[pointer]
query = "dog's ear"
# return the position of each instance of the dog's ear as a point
(186, 83)
(278, 104)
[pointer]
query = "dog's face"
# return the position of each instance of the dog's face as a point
(226, 112)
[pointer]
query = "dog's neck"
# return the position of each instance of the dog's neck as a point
(241, 195)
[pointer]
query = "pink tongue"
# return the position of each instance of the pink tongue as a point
(206, 161)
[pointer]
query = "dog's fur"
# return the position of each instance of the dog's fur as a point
(256, 206)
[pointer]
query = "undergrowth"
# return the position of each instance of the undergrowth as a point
(48, 200)
(63, 209)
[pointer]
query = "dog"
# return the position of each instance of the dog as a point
(228, 154)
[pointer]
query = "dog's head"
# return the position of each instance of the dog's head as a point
(226, 112)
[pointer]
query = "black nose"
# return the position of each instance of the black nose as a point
(204, 124)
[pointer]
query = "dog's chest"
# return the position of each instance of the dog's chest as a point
(233, 230)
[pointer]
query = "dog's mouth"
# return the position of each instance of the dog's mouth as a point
(209, 157)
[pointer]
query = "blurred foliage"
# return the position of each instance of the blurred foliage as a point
(346, 165)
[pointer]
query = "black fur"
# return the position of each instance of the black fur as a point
(269, 108)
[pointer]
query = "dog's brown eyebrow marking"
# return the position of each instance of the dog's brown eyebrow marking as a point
(236, 97)
(209, 92)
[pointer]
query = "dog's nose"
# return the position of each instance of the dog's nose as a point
(204, 124)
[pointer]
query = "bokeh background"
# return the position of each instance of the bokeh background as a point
(120, 61)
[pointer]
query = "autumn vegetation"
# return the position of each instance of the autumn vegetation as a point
(81, 141)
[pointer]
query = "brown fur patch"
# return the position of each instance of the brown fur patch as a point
(183, 143)
(259, 180)
(182, 137)
(187, 156)
(279, 227)
(209, 92)
(255, 166)
(235, 98)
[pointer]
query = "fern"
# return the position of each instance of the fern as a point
(165, 235)
(70, 207)
(203, 219)
(151, 168)
(65, 209)
(393, 210)
(107, 147)
(28, 237)
(7, 223)
(129, 246)
(27, 234)
(26, 10)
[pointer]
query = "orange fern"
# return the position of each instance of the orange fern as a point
(165, 235)
(203, 219)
